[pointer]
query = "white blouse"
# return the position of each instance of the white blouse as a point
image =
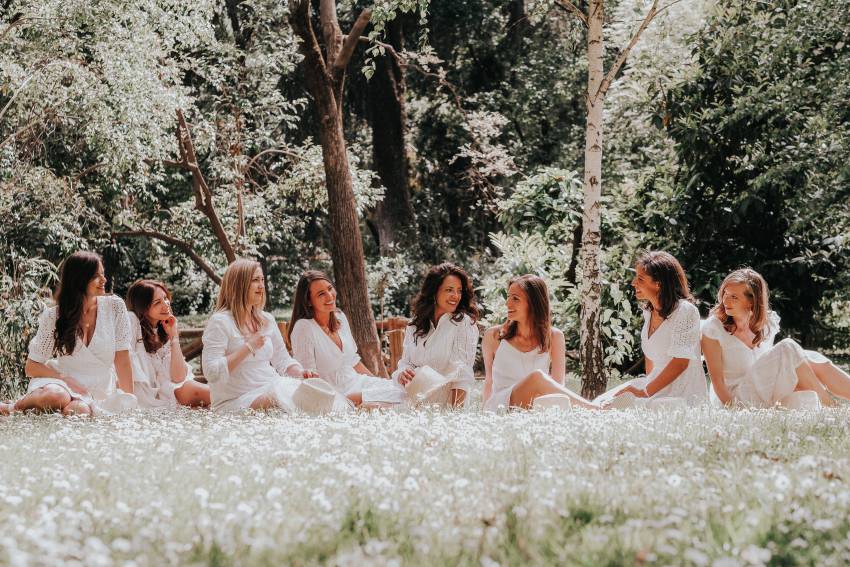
(91, 365)
(153, 385)
(257, 372)
(449, 348)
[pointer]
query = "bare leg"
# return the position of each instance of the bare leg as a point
(264, 402)
(45, 399)
(806, 380)
(193, 394)
(833, 378)
(456, 397)
(7, 408)
(539, 384)
(76, 407)
(356, 398)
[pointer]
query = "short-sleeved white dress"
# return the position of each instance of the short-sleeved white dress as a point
(315, 350)
(676, 337)
(449, 348)
(92, 365)
(270, 370)
(764, 375)
(152, 382)
(510, 366)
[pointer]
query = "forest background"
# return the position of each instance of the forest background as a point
(727, 143)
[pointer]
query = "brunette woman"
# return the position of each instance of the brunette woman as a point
(160, 372)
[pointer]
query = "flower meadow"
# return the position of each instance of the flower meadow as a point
(705, 487)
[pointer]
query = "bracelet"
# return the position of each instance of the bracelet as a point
(253, 352)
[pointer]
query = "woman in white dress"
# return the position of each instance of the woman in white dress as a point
(322, 342)
(670, 336)
(80, 344)
(524, 358)
(161, 376)
(443, 334)
(744, 364)
(245, 360)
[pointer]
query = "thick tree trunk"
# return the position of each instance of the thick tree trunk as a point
(594, 379)
(324, 81)
(393, 216)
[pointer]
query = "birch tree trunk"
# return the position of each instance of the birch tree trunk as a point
(590, 351)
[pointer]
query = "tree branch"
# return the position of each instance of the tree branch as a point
(181, 244)
(624, 54)
(299, 17)
(330, 29)
(571, 8)
(350, 43)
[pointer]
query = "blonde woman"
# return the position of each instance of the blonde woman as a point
(745, 365)
(245, 359)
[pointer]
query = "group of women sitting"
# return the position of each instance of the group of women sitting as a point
(95, 353)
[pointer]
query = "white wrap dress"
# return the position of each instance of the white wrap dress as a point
(764, 375)
(449, 348)
(152, 382)
(510, 366)
(316, 351)
(92, 365)
(269, 371)
(677, 336)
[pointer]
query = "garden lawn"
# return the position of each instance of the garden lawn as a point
(688, 487)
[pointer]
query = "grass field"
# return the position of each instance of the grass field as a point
(689, 487)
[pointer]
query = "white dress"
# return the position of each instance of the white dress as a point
(316, 351)
(510, 365)
(152, 382)
(269, 371)
(764, 375)
(676, 337)
(92, 365)
(449, 348)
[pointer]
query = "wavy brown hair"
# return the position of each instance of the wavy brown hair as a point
(537, 294)
(425, 302)
(758, 294)
(668, 272)
(301, 306)
(139, 300)
(233, 295)
(75, 274)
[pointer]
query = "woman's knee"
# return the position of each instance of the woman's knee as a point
(50, 398)
(264, 402)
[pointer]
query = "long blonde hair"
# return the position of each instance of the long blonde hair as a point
(233, 295)
(756, 292)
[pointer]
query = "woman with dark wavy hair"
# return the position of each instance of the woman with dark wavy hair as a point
(443, 335)
(81, 343)
(745, 365)
(524, 358)
(161, 375)
(669, 337)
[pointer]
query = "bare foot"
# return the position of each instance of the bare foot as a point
(7, 408)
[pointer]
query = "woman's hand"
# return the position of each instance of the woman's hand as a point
(171, 327)
(632, 390)
(256, 341)
(309, 374)
(406, 376)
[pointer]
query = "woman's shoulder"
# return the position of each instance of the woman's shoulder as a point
(493, 333)
(773, 320)
(302, 324)
(113, 302)
(134, 319)
(686, 308)
(221, 317)
(712, 328)
(557, 334)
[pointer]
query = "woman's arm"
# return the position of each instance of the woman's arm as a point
(558, 354)
(713, 353)
(361, 368)
(178, 369)
(216, 363)
(124, 370)
(282, 361)
(404, 370)
(34, 369)
(672, 371)
(488, 351)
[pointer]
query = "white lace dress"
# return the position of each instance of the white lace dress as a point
(92, 365)
(316, 351)
(152, 382)
(676, 337)
(449, 348)
(762, 376)
(510, 366)
(269, 371)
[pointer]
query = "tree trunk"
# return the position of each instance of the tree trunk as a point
(594, 380)
(393, 216)
(324, 81)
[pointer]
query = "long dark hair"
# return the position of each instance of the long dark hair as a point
(75, 274)
(537, 294)
(425, 302)
(139, 299)
(301, 308)
(758, 294)
(668, 272)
